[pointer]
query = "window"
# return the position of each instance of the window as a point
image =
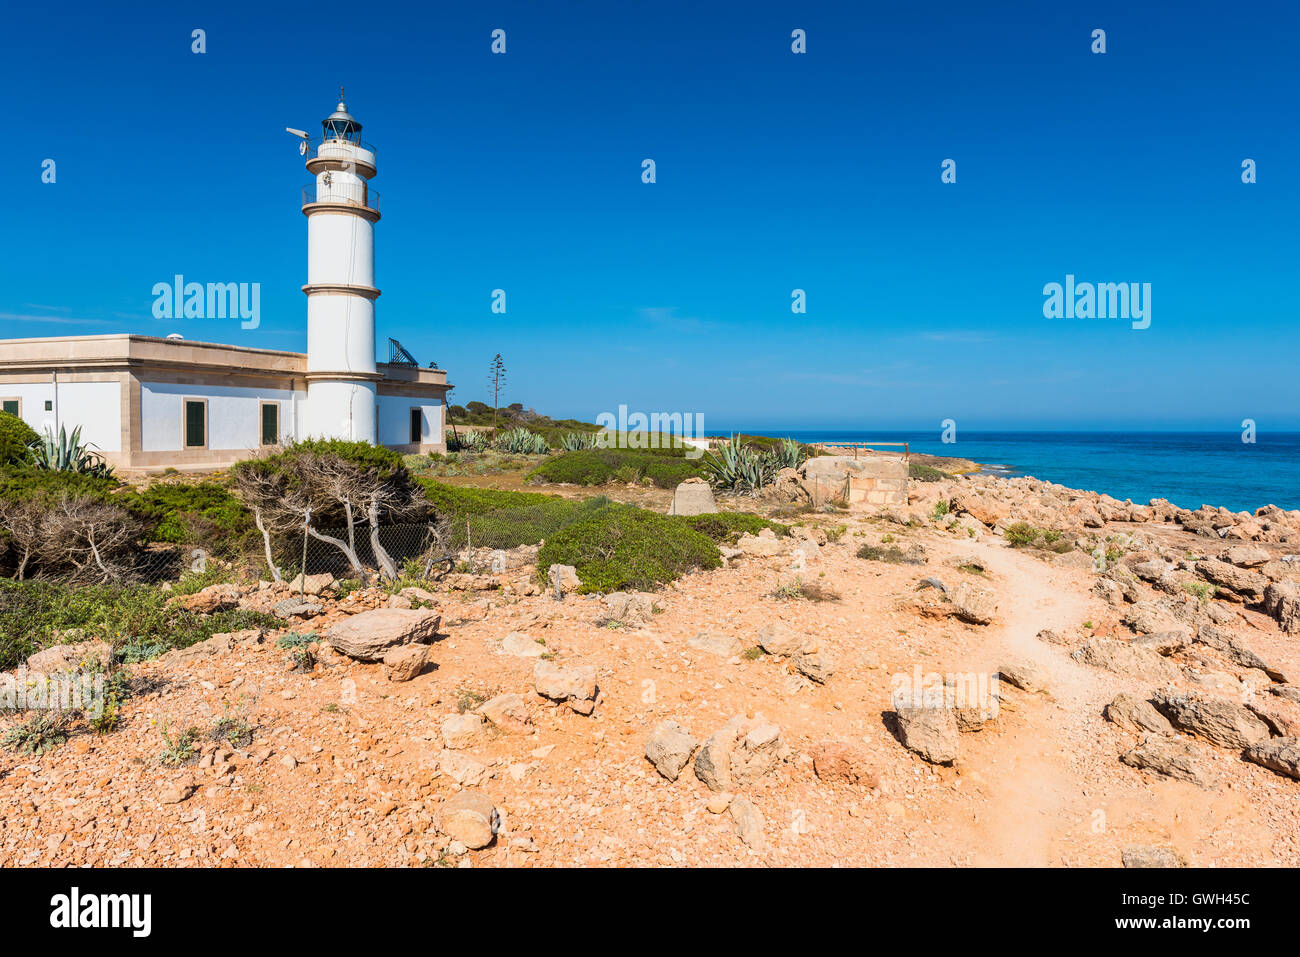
(417, 426)
(12, 406)
(49, 405)
(270, 423)
(196, 423)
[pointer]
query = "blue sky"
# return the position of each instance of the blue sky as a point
(775, 171)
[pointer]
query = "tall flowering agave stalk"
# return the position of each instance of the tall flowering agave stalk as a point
(66, 453)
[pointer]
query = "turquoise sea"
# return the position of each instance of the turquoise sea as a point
(1188, 468)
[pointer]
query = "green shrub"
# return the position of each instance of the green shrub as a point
(205, 513)
(42, 732)
(925, 473)
(1024, 535)
(135, 619)
(874, 553)
(727, 527)
(667, 468)
(622, 547)
(16, 440)
(493, 518)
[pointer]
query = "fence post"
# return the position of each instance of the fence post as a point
(302, 574)
(469, 548)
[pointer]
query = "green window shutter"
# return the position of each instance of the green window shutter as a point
(194, 431)
(270, 424)
(11, 406)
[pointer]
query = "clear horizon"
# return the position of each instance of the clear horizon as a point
(775, 172)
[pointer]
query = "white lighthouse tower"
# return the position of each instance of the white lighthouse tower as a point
(341, 212)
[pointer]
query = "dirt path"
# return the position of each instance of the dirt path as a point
(1032, 794)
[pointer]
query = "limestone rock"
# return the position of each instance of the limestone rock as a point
(1152, 856)
(1280, 754)
(739, 754)
(82, 656)
(1172, 757)
(404, 662)
(471, 818)
(288, 608)
(628, 608)
(748, 820)
(815, 663)
(669, 748)
(521, 646)
(777, 638)
(1026, 675)
(508, 712)
(693, 498)
(567, 577)
(369, 635)
(313, 584)
(972, 603)
(461, 768)
(460, 731)
(927, 725)
(1282, 603)
(839, 761)
(1136, 714)
(575, 687)
(210, 600)
(1126, 659)
(724, 646)
(1217, 720)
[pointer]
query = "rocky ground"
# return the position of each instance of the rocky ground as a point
(803, 705)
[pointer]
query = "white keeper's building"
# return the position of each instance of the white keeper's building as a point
(149, 403)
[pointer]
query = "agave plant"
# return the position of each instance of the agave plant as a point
(66, 453)
(789, 454)
(735, 467)
(577, 441)
(471, 441)
(520, 441)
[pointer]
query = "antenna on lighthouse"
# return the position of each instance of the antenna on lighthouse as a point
(302, 135)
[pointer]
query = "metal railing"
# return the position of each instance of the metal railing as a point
(346, 194)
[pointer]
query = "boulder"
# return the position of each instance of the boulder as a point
(404, 662)
(972, 603)
(471, 818)
(628, 608)
(815, 663)
(748, 821)
(566, 576)
(1232, 648)
(210, 600)
(1170, 756)
(841, 762)
(1124, 658)
(575, 687)
(693, 497)
(1163, 643)
(669, 748)
(369, 635)
(508, 712)
(296, 608)
(522, 646)
(927, 725)
(312, 584)
(1237, 581)
(777, 638)
(460, 731)
(1247, 556)
(1280, 754)
(739, 754)
(1132, 713)
(1217, 720)
(1026, 675)
(724, 646)
(764, 544)
(1282, 603)
(1152, 856)
(461, 768)
(82, 656)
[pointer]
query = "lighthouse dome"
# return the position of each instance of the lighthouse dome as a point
(341, 125)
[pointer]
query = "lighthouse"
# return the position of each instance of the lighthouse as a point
(341, 211)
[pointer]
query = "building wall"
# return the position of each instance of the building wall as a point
(234, 415)
(395, 419)
(95, 406)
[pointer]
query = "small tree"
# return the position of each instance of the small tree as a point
(496, 384)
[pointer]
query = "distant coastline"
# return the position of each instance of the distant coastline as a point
(1189, 469)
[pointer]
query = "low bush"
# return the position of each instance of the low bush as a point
(34, 615)
(206, 514)
(16, 440)
(495, 518)
(622, 547)
(926, 473)
(667, 468)
(727, 527)
(1024, 535)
